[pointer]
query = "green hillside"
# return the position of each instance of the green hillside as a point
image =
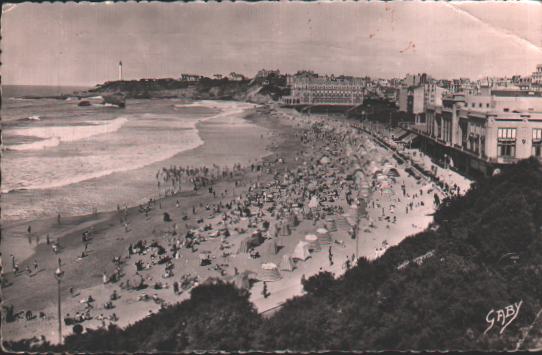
(256, 90)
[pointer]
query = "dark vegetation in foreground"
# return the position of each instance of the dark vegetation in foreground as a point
(486, 254)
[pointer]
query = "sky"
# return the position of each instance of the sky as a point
(82, 43)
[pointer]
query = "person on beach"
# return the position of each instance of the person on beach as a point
(47, 240)
(35, 265)
(13, 263)
(58, 219)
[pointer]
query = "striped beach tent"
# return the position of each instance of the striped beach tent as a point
(269, 273)
(312, 242)
(331, 224)
(271, 247)
(323, 236)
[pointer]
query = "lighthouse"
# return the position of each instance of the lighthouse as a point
(120, 70)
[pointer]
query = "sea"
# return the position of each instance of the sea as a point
(58, 157)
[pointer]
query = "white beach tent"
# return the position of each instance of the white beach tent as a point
(313, 203)
(301, 251)
(287, 264)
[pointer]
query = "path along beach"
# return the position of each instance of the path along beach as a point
(291, 214)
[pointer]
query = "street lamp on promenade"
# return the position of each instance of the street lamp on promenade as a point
(58, 275)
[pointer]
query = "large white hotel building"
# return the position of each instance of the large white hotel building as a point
(309, 89)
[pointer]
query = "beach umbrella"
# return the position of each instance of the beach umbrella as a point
(287, 264)
(324, 160)
(301, 251)
(312, 242)
(269, 273)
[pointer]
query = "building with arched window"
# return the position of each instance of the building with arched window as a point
(310, 89)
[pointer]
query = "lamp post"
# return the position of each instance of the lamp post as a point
(58, 275)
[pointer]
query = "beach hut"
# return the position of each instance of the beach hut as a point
(287, 264)
(301, 251)
(250, 242)
(271, 248)
(312, 242)
(293, 220)
(284, 230)
(269, 273)
(323, 236)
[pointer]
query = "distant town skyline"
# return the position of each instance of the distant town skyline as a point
(82, 44)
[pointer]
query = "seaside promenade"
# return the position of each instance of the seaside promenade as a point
(318, 175)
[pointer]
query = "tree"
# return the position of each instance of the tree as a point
(319, 283)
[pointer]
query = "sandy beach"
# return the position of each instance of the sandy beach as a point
(317, 181)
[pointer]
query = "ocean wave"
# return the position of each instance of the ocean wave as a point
(52, 134)
(190, 142)
(42, 144)
(32, 118)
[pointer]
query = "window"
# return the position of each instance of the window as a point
(487, 105)
(537, 142)
(480, 104)
(506, 142)
(506, 133)
(472, 105)
(506, 109)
